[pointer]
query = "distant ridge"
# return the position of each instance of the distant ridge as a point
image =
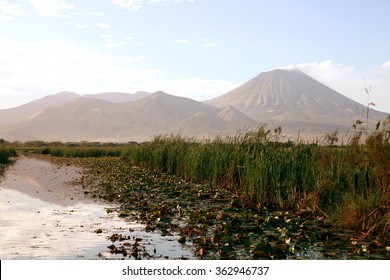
(92, 119)
(14, 115)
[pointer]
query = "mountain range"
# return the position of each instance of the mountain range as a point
(288, 98)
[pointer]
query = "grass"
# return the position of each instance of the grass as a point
(6, 152)
(81, 152)
(348, 184)
(75, 150)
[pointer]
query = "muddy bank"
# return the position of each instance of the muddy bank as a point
(46, 214)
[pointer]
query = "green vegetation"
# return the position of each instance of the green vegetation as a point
(81, 152)
(348, 184)
(6, 152)
(75, 150)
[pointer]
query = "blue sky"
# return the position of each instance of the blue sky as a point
(194, 48)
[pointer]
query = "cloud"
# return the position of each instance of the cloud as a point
(210, 45)
(349, 81)
(79, 24)
(209, 42)
(327, 69)
(386, 64)
(51, 8)
(103, 25)
(131, 5)
(112, 44)
(9, 11)
(52, 66)
(115, 41)
(31, 70)
(134, 5)
(183, 41)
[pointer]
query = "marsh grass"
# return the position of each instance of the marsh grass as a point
(250, 165)
(348, 184)
(82, 152)
(76, 150)
(6, 152)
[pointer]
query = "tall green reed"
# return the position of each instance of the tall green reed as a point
(337, 181)
(6, 153)
(250, 164)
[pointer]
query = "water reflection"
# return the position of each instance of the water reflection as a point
(39, 224)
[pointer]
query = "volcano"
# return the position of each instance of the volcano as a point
(296, 102)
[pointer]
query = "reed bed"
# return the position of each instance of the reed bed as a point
(6, 152)
(349, 184)
(75, 150)
(82, 152)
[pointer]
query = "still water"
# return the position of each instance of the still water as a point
(44, 214)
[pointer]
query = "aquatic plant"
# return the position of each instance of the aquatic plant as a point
(260, 171)
(6, 152)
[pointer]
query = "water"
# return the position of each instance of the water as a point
(45, 215)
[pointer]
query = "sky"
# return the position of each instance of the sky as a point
(194, 48)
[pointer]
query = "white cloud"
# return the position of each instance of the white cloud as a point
(102, 25)
(112, 44)
(326, 69)
(134, 5)
(79, 24)
(51, 8)
(9, 11)
(52, 66)
(349, 81)
(131, 5)
(31, 70)
(210, 45)
(386, 64)
(115, 41)
(183, 41)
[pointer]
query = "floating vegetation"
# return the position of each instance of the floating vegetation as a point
(217, 223)
(347, 184)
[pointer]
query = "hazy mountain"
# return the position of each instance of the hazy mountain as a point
(99, 120)
(164, 113)
(118, 97)
(14, 115)
(296, 102)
